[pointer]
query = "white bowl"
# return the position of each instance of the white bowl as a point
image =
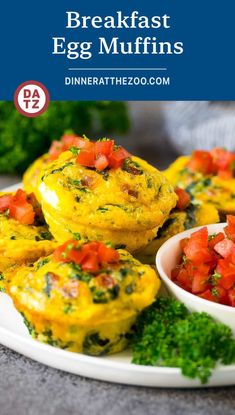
(168, 257)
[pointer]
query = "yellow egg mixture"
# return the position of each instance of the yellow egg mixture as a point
(131, 207)
(72, 309)
(21, 244)
(179, 221)
(124, 206)
(205, 188)
(30, 176)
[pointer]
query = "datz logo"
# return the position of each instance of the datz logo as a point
(84, 50)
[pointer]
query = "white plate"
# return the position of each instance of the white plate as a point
(116, 368)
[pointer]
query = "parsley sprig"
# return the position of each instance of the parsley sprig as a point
(166, 334)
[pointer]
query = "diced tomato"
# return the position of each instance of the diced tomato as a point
(175, 272)
(98, 155)
(200, 281)
(23, 212)
(190, 267)
(230, 220)
(183, 275)
(5, 202)
(107, 254)
(221, 266)
(201, 236)
(208, 268)
(91, 262)
(91, 246)
(221, 294)
(193, 251)
(230, 233)
(183, 243)
(68, 141)
(207, 295)
(216, 294)
(224, 247)
(77, 254)
(230, 229)
(20, 196)
(219, 161)
(213, 261)
(231, 257)
(101, 162)
(227, 272)
(20, 208)
(89, 256)
(201, 161)
(86, 158)
(222, 158)
(74, 141)
(216, 239)
(227, 281)
(84, 144)
(184, 279)
(183, 198)
(231, 297)
(55, 149)
(61, 253)
(225, 174)
(197, 247)
(117, 157)
(104, 147)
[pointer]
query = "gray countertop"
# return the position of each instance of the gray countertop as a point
(29, 388)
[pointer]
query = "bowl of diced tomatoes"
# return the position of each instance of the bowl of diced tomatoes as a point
(198, 268)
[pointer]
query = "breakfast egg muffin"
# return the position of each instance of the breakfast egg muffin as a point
(31, 175)
(84, 298)
(105, 195)
(208, 176)
(187, 214)
(24, 236)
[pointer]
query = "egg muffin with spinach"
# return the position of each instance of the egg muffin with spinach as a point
(30, 176)
(24, 236)
(187, 214)
(57, 147)
(84, 298)
(209, 176)
(101, 192)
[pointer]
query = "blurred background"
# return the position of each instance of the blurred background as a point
(156, 131)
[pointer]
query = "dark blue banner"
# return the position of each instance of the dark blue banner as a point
(100, 50)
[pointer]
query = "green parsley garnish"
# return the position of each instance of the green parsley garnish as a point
(76, 236)
(166, 334)
(42, 262)
(74, 150)
(214, 278)
(102, 209)
(68, 308)
(210, 237)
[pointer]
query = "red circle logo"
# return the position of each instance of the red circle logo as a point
(31, 98)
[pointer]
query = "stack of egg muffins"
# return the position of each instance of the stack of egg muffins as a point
(96, 212)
